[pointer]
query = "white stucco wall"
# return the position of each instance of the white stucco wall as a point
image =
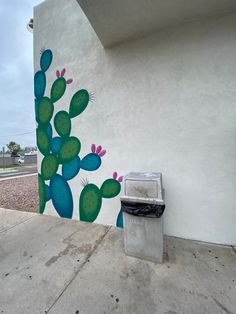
(166, 102)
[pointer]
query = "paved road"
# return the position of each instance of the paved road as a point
(21, 171)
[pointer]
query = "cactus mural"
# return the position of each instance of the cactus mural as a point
(91, 197)
(63, 150)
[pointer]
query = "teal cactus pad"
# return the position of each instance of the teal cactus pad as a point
(48, 130)
(91, 162)
(56, 144)
(110, 188)
(47, 190)
(70, 148)
(49, 166)
(119, 220)
(45, 110)
(39, 84)
(46, 60)
(58, 89)
(42, 141)
(79, 102)
(71, 169)
(62, 123)
(90, 203)
(61, 196)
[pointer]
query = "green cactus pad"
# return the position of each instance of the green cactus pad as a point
(70, 148)
(62, 123)
(45, 110)
(42, 141)
(90, 203)
(58, 89)
(79, 102)
(110, 188)
(49, 166)
(36, 110)
(42, 194)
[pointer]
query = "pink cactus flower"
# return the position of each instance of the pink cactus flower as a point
(98, 150)
(115, 175)
(63, 71)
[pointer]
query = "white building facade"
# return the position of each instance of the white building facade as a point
(154, 90)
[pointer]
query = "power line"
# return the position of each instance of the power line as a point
(19, 134)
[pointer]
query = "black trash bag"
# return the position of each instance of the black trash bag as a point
(143, 209)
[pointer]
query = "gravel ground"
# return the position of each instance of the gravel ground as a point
(20, 193)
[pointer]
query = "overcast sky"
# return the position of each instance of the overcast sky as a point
(16, 72)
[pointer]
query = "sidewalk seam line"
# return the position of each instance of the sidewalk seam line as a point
(16, 225)
(99, 241)
(233, 249)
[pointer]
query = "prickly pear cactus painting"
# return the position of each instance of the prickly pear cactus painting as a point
(91, 197)
(63, 151)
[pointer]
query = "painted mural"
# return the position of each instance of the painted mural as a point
(64, 150)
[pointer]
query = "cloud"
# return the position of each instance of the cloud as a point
(16, 72)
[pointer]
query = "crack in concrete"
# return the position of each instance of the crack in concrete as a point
(222, 306)
(97, 243)
(12, 227)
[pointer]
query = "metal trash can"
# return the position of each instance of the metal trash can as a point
(142, 206)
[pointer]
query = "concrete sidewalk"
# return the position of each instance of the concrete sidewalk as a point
(52, 265)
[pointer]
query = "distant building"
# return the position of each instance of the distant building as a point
(29, 149)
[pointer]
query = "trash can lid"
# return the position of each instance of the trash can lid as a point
(143, 176)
